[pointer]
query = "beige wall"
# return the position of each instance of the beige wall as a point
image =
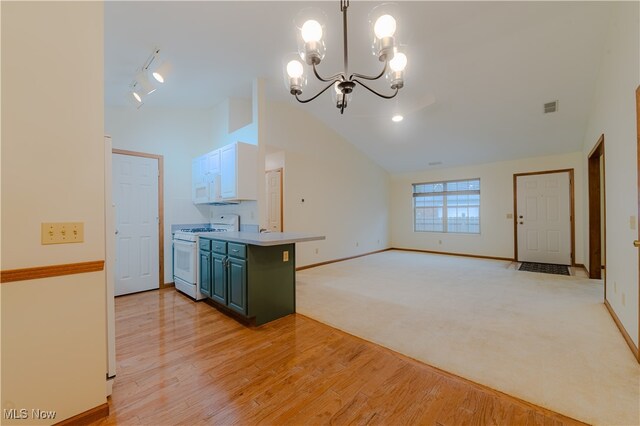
(179, 135)
(53, 330)
(496, 201)
(346, 195)
(614, 115)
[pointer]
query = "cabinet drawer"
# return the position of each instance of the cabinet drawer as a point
(238, 250)
(204, 244)
(219, 246)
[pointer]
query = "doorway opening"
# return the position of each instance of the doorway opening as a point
(275, 204)
(597, 212)
(544, 217)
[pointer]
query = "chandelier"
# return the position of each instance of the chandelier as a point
(311, 50)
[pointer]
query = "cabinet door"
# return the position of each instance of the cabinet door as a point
(219, 278)
(205, 272)
(228, 171)
(238, 285)
(213, 162)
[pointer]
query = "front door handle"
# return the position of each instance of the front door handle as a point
(636, 243)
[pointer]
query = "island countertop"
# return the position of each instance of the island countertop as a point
(262, 239)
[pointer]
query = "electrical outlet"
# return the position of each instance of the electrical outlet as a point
(357, 244)
(61, 233)
(316, 251)
(285, 256)
(439, 241)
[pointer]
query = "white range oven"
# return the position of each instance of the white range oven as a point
(186, 268)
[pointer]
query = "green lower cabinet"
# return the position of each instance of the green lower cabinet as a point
(205, 272)
(219, 278)
(256, 282)
(237, 285)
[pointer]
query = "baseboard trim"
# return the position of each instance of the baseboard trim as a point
(477, 256)
(302, 268)
(89, 416)
(168, 285)
(49, 271)
(626, 336)
(580, 265)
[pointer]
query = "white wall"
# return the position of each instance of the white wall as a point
(178, 135)
(614, 115)
(53, 330)
(346, 195)
(496, 237)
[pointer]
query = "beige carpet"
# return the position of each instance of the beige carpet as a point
(547, 339)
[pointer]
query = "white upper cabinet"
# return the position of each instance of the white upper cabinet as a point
(239, 172)
(226, 175)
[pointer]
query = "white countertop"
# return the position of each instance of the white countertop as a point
(262, 239)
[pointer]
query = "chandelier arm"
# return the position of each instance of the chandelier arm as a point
(366, 77)
(333, 78)
(304, 101)
(376, 93)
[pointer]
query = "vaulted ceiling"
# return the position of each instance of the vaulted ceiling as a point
(477, 78)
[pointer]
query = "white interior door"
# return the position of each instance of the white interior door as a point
(544, 218)
(274, 200)
(135, 195)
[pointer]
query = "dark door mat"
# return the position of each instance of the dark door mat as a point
(547, 268)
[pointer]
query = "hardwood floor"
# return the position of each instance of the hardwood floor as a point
(181, 362)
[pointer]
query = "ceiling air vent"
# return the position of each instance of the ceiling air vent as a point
(435, 163)
(550, 107)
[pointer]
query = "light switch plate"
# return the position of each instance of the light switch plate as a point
(632, 222)
(61, 232)
(509, 215)
(285, 256)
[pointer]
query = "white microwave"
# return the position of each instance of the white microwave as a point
(208, 191)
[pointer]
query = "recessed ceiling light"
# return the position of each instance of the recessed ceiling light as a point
(397, 118)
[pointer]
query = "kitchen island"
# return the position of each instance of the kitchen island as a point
(250, 275)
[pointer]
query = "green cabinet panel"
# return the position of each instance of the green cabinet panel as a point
(219, 247)
(205, 272)
(254, 281)
(219, 278)
(237, 285)
(237, 250)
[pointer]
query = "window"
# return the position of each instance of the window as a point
(447, 206)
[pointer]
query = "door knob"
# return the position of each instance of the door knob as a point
(636, 243)
(117, 232)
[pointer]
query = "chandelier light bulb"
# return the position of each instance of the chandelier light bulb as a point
(311, 31)
(294, 69)
(399, 62)
(397, 118)
(385, 26)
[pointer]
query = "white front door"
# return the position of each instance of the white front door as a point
(135, 195)
(544, 218)
(274, 200)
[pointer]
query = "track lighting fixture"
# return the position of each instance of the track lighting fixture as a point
(142, 85)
